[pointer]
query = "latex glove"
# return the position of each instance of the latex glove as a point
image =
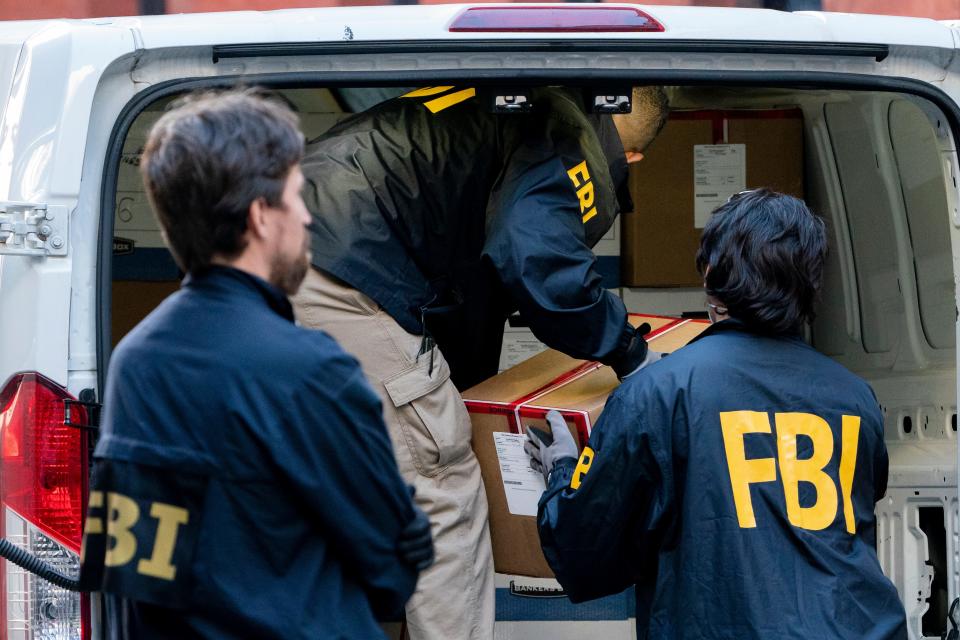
(416, 542)
(543, 456)
(652, 356)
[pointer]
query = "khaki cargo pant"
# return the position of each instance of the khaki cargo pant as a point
(430, 430)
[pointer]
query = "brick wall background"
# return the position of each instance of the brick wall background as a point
(27, 9)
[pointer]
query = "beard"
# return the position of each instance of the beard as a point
(287, 273)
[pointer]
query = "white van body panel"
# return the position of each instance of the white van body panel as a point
(431, 22)
(43, 142)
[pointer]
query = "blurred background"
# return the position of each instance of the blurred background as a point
(27, 9)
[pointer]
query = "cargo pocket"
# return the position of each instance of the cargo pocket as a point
(435, 423)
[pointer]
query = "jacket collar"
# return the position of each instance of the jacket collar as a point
(616, 158)
(218, 277)
(732, 325)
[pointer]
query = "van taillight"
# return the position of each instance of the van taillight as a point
(555, 19)
(43, 491)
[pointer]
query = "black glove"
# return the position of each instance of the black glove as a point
(652, 356)
(631, 355)
(416, 542)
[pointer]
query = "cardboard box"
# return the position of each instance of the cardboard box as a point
(132, 301)
(522, 396)
(697, 162)
(519, 343)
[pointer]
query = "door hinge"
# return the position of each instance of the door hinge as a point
(88, 400)
(33, 229)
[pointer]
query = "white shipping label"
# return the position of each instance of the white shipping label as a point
(522, 484)
(719, 171)
(518, 346)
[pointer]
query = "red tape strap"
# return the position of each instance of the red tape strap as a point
(513, 408)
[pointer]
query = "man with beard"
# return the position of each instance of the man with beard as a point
(433, 220)
(245, 485)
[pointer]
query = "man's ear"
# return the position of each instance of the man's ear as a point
(634, 156)
(257, 218)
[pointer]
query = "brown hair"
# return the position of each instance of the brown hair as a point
(207, 159)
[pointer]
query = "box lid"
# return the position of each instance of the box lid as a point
(577, 388)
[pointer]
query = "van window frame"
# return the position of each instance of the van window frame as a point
(801, 80)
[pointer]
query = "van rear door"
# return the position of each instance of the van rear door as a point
(48, 74)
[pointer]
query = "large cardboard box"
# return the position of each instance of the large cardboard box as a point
(501, 407)
(697, 162)
(132, 300)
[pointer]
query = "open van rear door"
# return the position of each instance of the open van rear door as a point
(48, 74)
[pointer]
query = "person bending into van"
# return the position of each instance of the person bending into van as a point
(434, 219)
(244, 482)
(734, 481)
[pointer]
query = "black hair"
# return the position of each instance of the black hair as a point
(762, 255)
(207, 160)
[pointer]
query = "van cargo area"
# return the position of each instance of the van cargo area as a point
(879, 166)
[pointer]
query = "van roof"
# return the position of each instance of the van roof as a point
(406, 23)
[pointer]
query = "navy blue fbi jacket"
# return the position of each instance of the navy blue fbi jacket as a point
(244, 485)
(748, 466)
(430, 201)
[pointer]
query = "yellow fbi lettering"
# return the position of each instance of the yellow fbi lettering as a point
(583, 465)
(122, 514)
(744, 472)
(580, 177)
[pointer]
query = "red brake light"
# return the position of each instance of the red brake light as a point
(555, 19)
(43, 495)
(43, 469)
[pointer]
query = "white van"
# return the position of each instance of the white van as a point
(81, 259)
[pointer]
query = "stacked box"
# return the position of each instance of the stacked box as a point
(697, 162)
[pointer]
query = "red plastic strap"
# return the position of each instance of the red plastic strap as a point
(733, 114)
(559, 381)
(514, 408)
(656, 333)
(581, 419)
(651, 315)
(717, 118)
(488, 407)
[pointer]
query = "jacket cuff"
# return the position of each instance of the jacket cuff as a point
(630, 352)
(561, 473)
